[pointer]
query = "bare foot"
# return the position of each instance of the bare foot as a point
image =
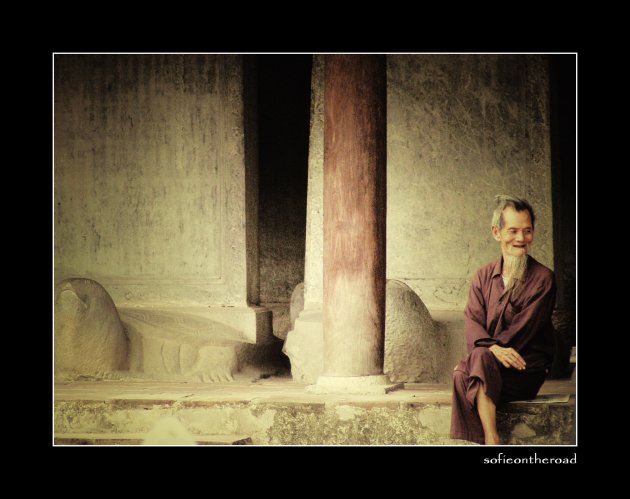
(493, 439)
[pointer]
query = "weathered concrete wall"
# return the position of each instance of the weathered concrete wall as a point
(150, 184)
(314, 256)
(461, 129)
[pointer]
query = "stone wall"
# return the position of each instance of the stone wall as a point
(460, 129)
(314, 255)
(151, 196)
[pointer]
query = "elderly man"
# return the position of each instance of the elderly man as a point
(508, 328)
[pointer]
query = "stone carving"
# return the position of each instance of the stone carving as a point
(179, 347)
(89, 337)
(305, 345)
(280, 318)
(413, 341)
(94, 339)
(297, 303)
(180, 344)
(284, 314)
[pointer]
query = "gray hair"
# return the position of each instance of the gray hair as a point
(517, 204)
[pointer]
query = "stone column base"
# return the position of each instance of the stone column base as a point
(357, 385)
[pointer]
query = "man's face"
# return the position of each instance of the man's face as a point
(517, 232)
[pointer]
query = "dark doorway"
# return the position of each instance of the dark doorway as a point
(562, 74)
(284, 95)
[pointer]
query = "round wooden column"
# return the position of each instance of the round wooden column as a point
(354, 214)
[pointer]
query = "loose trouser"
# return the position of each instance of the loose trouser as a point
(482, 370)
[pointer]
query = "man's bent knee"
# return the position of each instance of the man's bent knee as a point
(482, 353)
(460, 377)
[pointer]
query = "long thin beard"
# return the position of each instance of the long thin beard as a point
(515, 269)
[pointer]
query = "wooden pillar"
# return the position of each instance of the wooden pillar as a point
(354, 214)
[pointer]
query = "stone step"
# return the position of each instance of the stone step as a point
(281, 412)
(138, 439)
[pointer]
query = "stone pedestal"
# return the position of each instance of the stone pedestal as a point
(197, 344)
(419, 347)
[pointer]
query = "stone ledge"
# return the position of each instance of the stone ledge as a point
(138, 438)
(531, 423)
(277, 412)
(378, 384)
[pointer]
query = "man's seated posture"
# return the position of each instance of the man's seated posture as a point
(508, 328)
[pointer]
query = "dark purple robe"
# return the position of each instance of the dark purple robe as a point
(521, 320)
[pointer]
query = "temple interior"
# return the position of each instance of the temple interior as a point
(276, 249)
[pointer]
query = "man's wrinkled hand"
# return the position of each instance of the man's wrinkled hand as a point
(508, 357)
